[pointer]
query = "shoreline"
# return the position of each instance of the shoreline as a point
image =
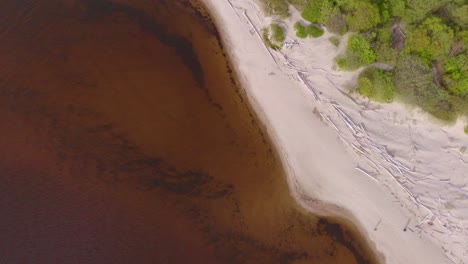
(321, 172)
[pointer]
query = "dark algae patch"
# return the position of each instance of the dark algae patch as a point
(126, 139)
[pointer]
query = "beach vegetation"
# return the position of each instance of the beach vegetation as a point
(358, 53)
(361, 15)
(314, 31)
(377, 85)
(274, 36)
(318, 11)
(308, 31)
(300, 30)
(423, 41)
(277, 33)
(334, 40)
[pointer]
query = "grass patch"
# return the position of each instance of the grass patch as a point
(377, 85)
(335, 41)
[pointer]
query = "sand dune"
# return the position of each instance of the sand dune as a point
(397, 174)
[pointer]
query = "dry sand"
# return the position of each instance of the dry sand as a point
(386, 168)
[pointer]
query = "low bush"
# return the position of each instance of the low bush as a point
(358, 53)
(335, 41)
(267, 40)
(300, 30)
(314, 31)
(273, 36)
(377, 85)
(308, 31)
(278, 33)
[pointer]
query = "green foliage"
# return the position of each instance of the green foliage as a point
(456, 78)
(377, 85)
(267, 40)
(397, 8)
(435, 32)
(314, 31)
(335, 41)
(466, 129)
(359, 53)
(361, 15)
(458, 14)
(417, 10)
(414, 85)
(278, 33)
(300, 30)
(318, 11)
(307, 31)
(383, 47)
(431, 40)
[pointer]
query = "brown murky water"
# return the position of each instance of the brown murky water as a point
(126, 140)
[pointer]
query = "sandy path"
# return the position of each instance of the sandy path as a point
(386, 167)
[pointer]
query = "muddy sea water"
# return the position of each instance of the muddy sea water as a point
(125, 138)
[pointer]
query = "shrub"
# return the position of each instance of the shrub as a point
(414, 83)
(308, 31)
(431, 40)
(314, 31)
(377, 85)
(268, 42)
(456, 78)
(335, 41)
(361, 15)
(359, 53)
(318, 11)
(383, 47)
(300, 30)
(337, 23)
(278, 33)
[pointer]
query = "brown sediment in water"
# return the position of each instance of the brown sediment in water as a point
(126, 139)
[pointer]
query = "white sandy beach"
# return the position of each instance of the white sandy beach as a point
(384, 167)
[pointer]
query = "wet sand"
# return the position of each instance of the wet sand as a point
(125, 139)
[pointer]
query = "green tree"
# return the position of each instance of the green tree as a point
(414, 83)
(361, 15)
(377, 85)
(417, 10)
(456, 77)
(397, 8)
(358, 53)
(431, 40)
(318, 11)
(459, 14)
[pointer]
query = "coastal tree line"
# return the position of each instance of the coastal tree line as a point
(423, 43)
